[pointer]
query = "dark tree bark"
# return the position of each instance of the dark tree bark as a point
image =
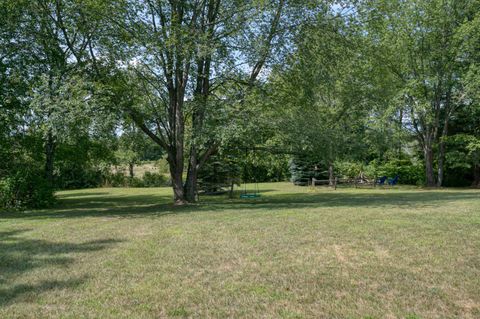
(176, 174)
(400, 125)
(476, 170)
(50, 146)
(429, 171)
(202, 91)
(130, 169)
(444, 134)
(192, 174)
(476, 173)
(441, 155)
(425, 137)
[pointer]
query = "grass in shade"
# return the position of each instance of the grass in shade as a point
(293, 253)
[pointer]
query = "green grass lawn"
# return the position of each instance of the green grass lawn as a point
(293, 253)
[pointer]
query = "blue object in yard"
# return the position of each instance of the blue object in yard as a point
(249, 195)
(382, 180)
(393, 181)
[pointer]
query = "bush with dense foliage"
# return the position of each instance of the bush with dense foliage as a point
(117, 179)
(149, 179)
(26, 189)
(349, 169)
(154, 180)
(263, 166)
(409, 173)
(78, 176)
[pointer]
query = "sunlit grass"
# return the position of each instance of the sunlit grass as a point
(293, 253)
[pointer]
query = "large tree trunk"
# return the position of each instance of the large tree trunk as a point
(196, 161)
(400, 125)
(49, 157)
(192, 174)
(176, 167)
(476, 175)
(441, 163)
(176, 152)
(441, 148)
(202, 91)
(331, 177)
(176, 174)
(130, 169)
(429, 171)
(476, 170)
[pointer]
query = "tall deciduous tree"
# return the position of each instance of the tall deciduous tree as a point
(183, 54)
(416, 41)
(326, 98)
(53, 42)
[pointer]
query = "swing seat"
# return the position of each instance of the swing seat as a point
(249, 195)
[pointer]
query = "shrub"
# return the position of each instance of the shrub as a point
(135, 182)
(26, 189)
(409, 173)
(153, 180)
(348, 169)
(149, 179)
(116, 180)
(76, 177)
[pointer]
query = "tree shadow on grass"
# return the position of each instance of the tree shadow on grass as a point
(151, 205)
(83, 194)
(20, 255)
(339, 200)
(21, 291)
